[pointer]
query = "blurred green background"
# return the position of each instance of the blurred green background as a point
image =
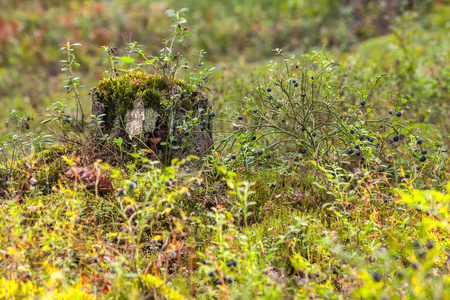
(407, 39)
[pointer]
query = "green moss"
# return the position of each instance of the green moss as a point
(46, 166)
(119, 94)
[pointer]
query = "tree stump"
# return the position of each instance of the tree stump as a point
(145, 111)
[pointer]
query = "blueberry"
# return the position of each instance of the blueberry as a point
(278, 105)
(377, 144)
(212, 114)
(365, 164)
(267, 155)
(395, 138)
(350, 151)
(401, 135)
(51, 244)
(362, 158)
(167, 109)
(270, 97)
(313, 77)
(371, 140)
(229, 280)
(187, 133)
(121, 192)
(273, 185)
(352, 131)
(391, 112)
(168, 183)
(430, 244)
(255, 111)
(28, 275)
(211, 273)
(233, 156)
(296, 84)
(398, 114)
(231, 263)
(416, 150)
(204, 122)
(376, 276)
(240, 118)
(304, 150)
(294, 80)
(424, 151)
(132, 185)
(269, 89)
(419, 141)
(260, 152)
(253, 137)
(202, 128)
(205, 262)
(283, 120)
(198, 149)
(417, 168)
(303, 95)
(363, 103)
(96, 260)
(422, 158)
(341, 117)
(358, 153)
(215, 174)
(218, 282)
(314, 134)
(186, 194)
(303, 129)
(357, 146)
(188, 171)
(361, 138)
(416, 244)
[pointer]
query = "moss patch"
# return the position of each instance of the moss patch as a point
(46, 167)
(119, 94)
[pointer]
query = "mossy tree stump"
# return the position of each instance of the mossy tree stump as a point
(146, 111)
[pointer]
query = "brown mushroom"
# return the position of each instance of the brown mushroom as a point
(90, 178)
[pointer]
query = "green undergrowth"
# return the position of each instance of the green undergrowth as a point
(325, 179)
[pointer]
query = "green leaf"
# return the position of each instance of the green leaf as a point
(127, 60)
(149, 62)
(130, 275)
